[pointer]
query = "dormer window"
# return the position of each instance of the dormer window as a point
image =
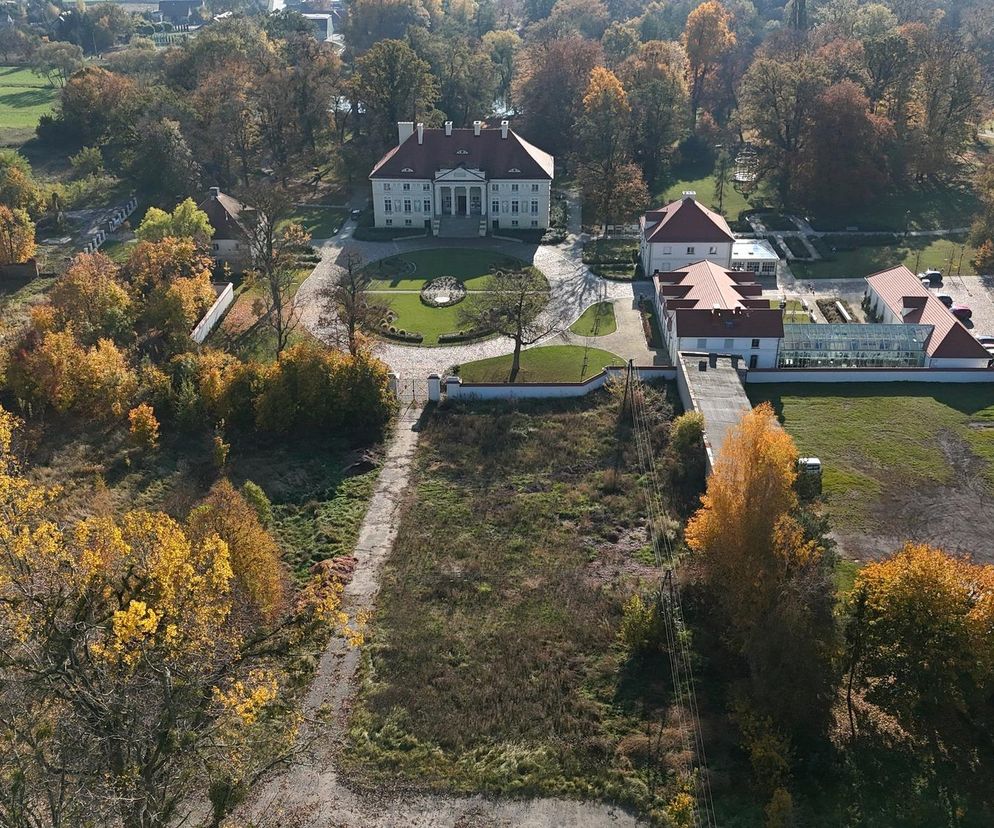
(514, 170)
(462, 152)
(407, 169)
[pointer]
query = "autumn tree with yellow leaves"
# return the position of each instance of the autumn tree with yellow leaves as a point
(136, 668)
(707, 38)
(921, 642)
(768, 578)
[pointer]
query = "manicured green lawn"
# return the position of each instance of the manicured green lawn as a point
(734, 202)
(942, 207)
(24, 98)
(597, 320)
(876, 442)
(549, 363)
(410, 271)
(927, 253)
(413, 315)
(320, 222)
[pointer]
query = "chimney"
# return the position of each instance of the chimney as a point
(503, 129)
(448, 127)
(713, 359)
(476, 127)
(689, 195)
(405, 129)
(215, 192)
(715, 309)
(421, 133)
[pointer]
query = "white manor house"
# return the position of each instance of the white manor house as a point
(462, 182)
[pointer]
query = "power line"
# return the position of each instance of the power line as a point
(685, 694)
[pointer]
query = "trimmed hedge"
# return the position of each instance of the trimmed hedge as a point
(401, 336)
(461, 336)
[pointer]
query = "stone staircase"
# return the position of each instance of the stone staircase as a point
(460, 227)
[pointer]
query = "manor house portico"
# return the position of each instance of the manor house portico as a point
(462, 182)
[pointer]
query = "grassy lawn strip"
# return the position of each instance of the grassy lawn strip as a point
(547, 363)
(927, 252)
(319, 221)
(878, 444)
(597, 320)
(410, 271)
(493, 663)
(24, 98)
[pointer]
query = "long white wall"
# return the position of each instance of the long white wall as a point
(456, 389)
(216, 311)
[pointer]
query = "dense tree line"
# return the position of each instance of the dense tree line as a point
(898, 87)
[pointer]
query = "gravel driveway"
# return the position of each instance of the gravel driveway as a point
(573, 289)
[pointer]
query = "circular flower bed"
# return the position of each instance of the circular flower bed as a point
(443, 292)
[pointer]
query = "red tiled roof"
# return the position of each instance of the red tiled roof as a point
(758, 323)
(511, 157)
(685, 220)
(709, 301)
(907, 297)
(706, 284)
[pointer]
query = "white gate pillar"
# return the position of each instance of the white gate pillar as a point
(434, 388)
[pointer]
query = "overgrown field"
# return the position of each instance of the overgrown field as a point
(495, 663)
(900, 461)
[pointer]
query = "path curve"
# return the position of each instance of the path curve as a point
(573, 288)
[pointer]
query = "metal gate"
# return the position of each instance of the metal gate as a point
(412, 391)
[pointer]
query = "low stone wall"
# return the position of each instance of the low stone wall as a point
(455, 389)
(216, 311)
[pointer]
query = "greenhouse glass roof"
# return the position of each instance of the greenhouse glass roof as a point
(854, 346)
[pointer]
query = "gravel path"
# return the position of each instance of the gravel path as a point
(573, 288)
(311, 789)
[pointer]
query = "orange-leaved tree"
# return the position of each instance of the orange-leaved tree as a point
(922, 643)
(766, 572)
(707, 38)
(17, 236)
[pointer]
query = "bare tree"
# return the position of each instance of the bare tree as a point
(512, 306)
(276, 244)
(348, 305)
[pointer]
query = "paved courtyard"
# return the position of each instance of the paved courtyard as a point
(573, 288)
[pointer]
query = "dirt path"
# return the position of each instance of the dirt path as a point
(310, 793)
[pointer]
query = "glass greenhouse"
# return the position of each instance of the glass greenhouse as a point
(854, 346)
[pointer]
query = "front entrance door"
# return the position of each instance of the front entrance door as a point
(461, 205)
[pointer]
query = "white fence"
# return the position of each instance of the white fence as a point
(210, 319)
(455, 389)
(760, 375)
(117, 218)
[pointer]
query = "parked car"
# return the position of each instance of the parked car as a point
(354, 215)
(983, 339)
(934, 277)
(961, 312)
(946, 299)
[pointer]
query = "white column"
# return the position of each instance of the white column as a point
(467, 189)
(483, 199)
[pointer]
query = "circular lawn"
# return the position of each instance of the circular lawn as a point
(398, 281)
